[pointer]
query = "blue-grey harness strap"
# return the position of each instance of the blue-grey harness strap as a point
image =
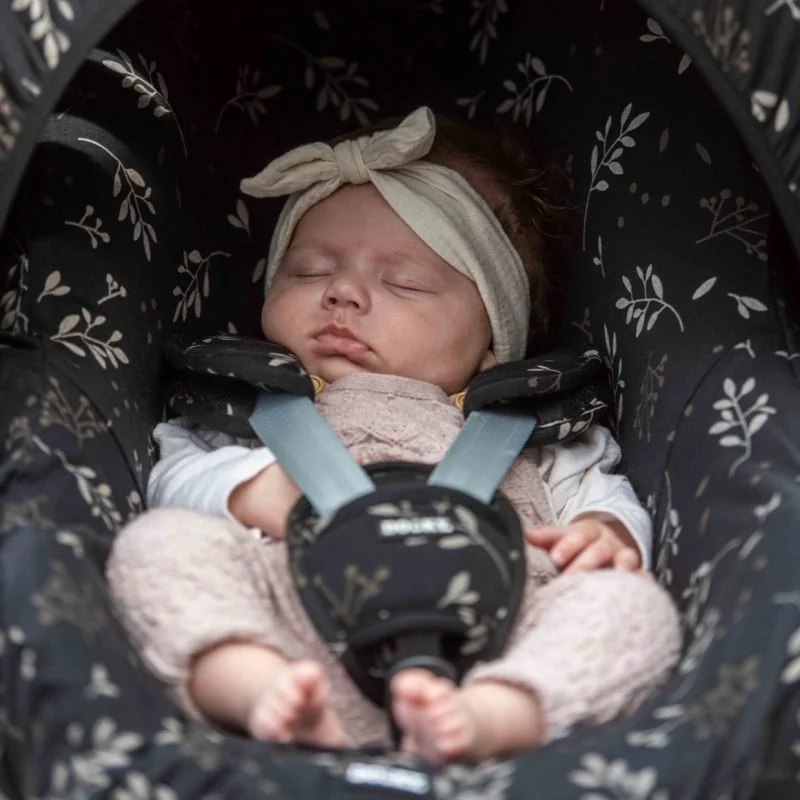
(483, 451)
(309, 450)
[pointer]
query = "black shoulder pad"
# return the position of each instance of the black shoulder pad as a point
(558, 372)
(219, 378)
(263, 364)
(568, 391)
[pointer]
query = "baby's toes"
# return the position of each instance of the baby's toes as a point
(453, 738)
(277, 709)
(409, 745)
(268, 723)
(410, 685)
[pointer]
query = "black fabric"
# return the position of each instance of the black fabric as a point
(218, 380)
(358, 577)
(568, 392)
(548, 374)
(92, 248)
(263, 364)
(679, 273)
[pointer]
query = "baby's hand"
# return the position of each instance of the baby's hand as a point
(588, 544)
(265, 501)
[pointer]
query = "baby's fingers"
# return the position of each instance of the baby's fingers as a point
(597, 555)
(627, 560)
(545, 536)
(571, 545)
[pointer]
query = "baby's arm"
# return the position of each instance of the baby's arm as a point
(209, 471)
(601, 522)
(265, 500)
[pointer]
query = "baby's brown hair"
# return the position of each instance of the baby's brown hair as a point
(526, 192)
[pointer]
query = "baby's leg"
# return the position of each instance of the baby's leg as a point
(442, 722)
(586, 648)
(254, 688)
(589, 646)
(191, 592)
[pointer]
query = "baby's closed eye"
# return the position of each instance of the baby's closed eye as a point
(311, 272)
(306, 263)
(409, 281)
(405, 286)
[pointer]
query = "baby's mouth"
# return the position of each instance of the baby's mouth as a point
(334, 341)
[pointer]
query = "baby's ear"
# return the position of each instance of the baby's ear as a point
(488, 360)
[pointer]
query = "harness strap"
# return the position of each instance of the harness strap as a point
(318, 461)
(483, 451)
(309, 450)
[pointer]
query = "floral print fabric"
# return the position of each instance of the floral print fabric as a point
(677, 124)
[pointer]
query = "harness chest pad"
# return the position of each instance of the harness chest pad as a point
(409, 562)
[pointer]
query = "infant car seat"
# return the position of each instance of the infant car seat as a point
(124, 130)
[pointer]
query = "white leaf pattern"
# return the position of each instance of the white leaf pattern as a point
(610, 153)
(737, 223)
(530, 96)
(102, 351)
(730, 229)
(151, 89)
(249, 95)
(336, 88)
(196, 267)
(764, 104)
(638, 308)
(704, 288)
(133, 203)
(746, 421)
(485, 18)
(45, 28)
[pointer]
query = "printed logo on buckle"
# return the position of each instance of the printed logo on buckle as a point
(416, 526)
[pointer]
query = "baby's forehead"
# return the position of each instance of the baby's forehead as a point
(358, 218)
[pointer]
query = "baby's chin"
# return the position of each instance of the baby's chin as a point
(335, 367)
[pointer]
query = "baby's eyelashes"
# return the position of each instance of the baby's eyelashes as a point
(306, 269)
(408, 282)
(310, 274)
(405, 287)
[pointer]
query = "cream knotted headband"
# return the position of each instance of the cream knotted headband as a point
(437, 203)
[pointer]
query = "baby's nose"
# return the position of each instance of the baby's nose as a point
(346, 291)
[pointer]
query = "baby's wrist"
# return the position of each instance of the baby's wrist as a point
(243, 501)
(614, 523)
(621, 531)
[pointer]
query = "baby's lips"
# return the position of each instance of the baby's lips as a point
(334, 344)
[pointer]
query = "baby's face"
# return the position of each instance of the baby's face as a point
(359, 291)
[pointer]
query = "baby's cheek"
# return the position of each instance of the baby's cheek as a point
(267, 319)
(279, 319)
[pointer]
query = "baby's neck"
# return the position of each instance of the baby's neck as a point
(383, 383)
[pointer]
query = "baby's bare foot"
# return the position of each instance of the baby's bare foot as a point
(436, 725)
(442, 722)
(296, 707)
